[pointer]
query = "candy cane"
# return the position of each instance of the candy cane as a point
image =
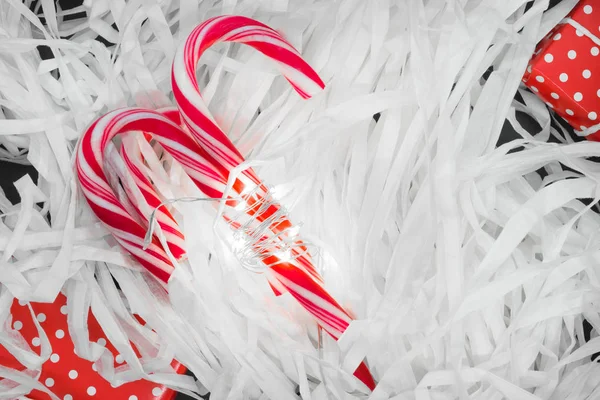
(296, 275)
(128, 232)
(108, 207)
(185, 85)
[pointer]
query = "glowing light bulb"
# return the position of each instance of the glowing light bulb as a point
(284, 256)
(241, 206)
(238, 244)
(276, 192)
(293, 231)
(248, 187)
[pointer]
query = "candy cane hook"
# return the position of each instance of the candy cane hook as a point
(294, 273)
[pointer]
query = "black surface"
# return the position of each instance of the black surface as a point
(11, 172)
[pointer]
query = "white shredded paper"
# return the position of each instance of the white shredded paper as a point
(469, 272)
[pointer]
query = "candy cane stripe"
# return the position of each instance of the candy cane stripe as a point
(101, 198)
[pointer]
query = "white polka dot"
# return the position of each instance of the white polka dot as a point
(102, 342)
(535, 89)
(119, 359)
(35, 341)
(63, 310)
(579, 33)
(59, 334)
(54, 358)
(587, 73)
(91, 391)
(572, 54)
(133, 397)
(578, 96)
(570, 112)
(73, 374)
(17, 325)
(555, 96)
(94, 367)
(68, 397)
(156, 391)
(22, 303)
(529, 68)
(583, 127)
(588, 9)
(592, 116)
(49, 382)
(557, 36)
(563, 77)
(549, 105)
(548, 58)
(539, 78)
(41, 317)
(595, 51)
(598, 93)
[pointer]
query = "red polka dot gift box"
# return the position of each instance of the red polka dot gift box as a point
(565, 70)
(65, 374)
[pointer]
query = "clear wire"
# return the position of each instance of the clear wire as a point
(254, 241)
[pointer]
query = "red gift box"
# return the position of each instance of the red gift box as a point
(67, 375)
(565, 70)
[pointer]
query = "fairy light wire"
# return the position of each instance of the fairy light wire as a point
(252, 242)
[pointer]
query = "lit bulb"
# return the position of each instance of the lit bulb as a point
(293, 231)
(241, 206)
(276, 192)
(284, 256)
(249, 187)
(238, 244)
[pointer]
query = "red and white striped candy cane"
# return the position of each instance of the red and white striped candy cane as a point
(100, 196)
(294, 273)
(164, 125)
(185, 85)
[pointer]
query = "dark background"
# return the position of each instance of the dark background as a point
(10, 172)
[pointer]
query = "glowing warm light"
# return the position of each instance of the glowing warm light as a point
(284, 256)
(276, 192)
(238, 244)
(248, 188)
(241, 206)
(293, 231)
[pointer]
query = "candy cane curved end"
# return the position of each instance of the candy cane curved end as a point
(234, 28)
(101, 197)
(238, 29)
